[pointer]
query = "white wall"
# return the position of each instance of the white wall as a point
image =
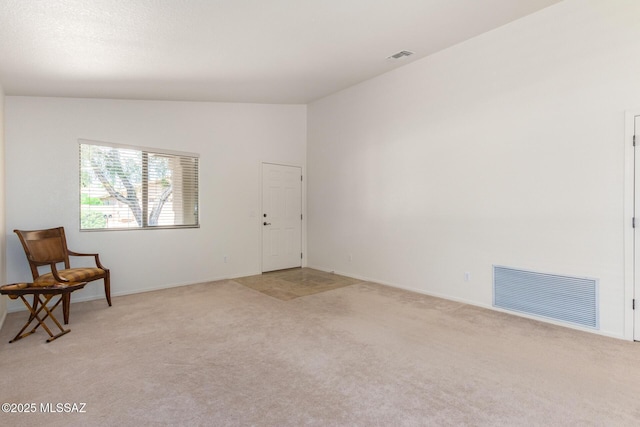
(507, 149)
(232, 140)
(3, 234)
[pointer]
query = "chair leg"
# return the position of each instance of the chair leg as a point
(36, 300)
(107, 287)
(66, 306)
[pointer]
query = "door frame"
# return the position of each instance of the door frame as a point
(631, 263)
(303, 209)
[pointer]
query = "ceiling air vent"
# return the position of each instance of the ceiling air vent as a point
(400, 54)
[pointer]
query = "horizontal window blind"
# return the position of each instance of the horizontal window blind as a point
(126, 187)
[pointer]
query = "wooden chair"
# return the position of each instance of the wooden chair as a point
(49, 248)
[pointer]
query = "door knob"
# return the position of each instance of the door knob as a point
(266, 223)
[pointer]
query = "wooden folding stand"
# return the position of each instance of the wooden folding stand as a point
(42, 296)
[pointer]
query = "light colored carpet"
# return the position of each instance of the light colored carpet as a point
(362, 355)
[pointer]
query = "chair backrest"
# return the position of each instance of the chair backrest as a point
(43, 247)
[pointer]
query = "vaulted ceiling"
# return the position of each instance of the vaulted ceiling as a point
(263, 51)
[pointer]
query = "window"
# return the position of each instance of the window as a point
(123, 187)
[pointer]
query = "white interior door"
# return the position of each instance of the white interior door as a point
(281, 217)
(636, 237)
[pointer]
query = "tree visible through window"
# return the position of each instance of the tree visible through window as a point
(129, 187)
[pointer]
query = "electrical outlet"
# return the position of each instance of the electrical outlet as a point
(350, 257)
(467, 276)
(226, 259)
